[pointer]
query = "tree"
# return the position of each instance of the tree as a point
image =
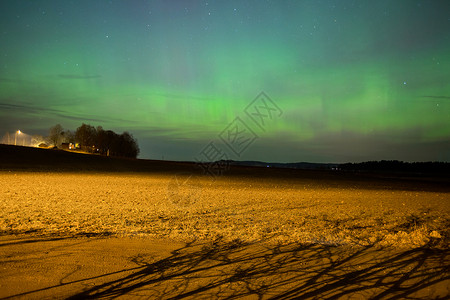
(36, 140)
(86, 135)
(128, 145)
(55, 134)
(101, 140)
(68, 137)
(111, 143)
(105, 142)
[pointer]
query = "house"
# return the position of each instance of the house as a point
(69, 146)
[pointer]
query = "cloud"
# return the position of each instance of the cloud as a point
(27, 108)
(30, 109)
(73, 76)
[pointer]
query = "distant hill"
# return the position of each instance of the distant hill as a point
(18, 158)
(297, 165)
(415, 168)
(438, 168)
(37, 159)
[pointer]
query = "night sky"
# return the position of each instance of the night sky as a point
(343, 80)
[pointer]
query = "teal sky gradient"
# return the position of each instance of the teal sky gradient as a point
(355, 80)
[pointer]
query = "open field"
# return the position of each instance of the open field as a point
(197, 208)
(256, 233)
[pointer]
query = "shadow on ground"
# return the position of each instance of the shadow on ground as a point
(235, 270)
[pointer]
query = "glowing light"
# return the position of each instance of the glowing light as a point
(15, 137)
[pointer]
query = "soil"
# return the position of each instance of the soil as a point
(157, 232)
(96, 267)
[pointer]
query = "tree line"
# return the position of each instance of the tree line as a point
(96, 140)
(399, 166)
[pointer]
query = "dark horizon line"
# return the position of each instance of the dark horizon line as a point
(300, 162)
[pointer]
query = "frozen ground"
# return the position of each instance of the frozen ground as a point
(143, 235)
(242, 209)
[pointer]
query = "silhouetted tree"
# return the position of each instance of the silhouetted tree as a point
(128, 145)
(101, 140)
(55, 134)
(107, 141)
(398, 166)
(86, 136)
(68, 136)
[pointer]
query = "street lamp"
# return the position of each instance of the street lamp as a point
(15, 137)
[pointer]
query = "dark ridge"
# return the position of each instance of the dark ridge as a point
(18, 158)
(432, 167)
(29, 159)
(296, 165)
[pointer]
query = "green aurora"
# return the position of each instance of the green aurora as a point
(355, 80)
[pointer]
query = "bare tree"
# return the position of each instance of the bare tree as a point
(36, 140)
(55, 134)
(68, 136)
